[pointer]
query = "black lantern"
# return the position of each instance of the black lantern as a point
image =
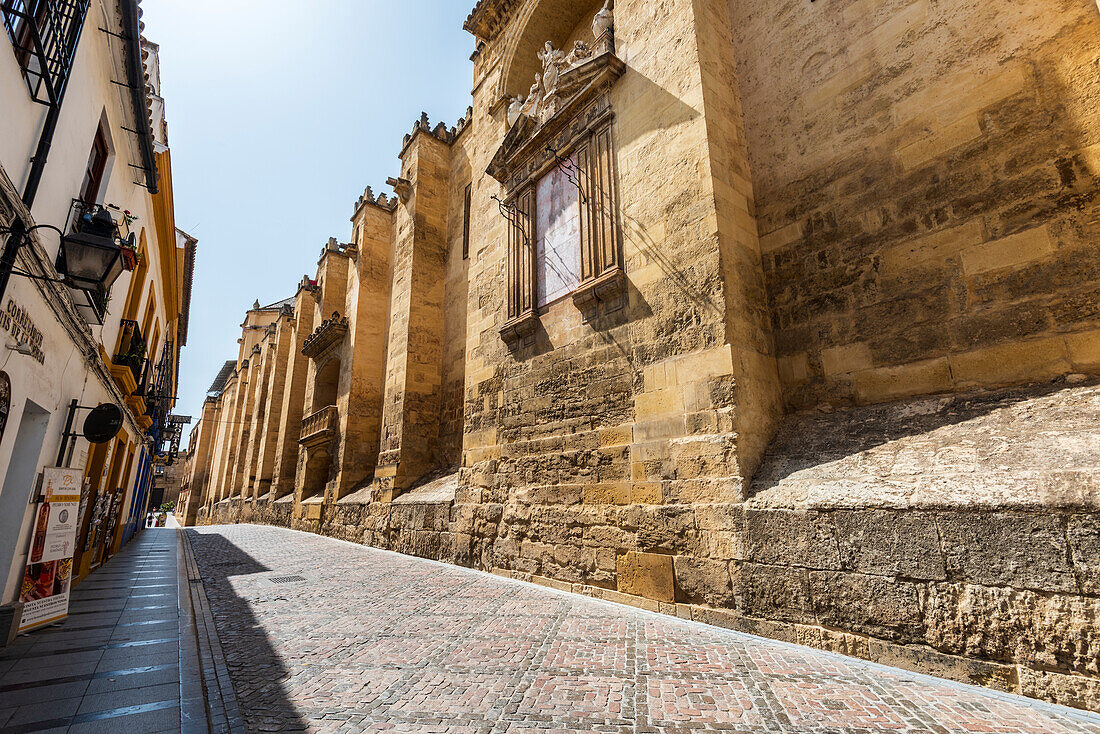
(90, 258)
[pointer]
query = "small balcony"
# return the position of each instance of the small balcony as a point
(320, 427)
(129, 360)
(326, 338)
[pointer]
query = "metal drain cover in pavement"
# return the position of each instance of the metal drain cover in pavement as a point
(286, 579)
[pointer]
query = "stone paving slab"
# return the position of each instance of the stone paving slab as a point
(369, 640)
(114, 664)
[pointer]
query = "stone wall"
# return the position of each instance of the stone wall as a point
(798, 240)
(874, 532)
(927, 192)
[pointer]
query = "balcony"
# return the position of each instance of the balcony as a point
(326, 338)
(129, 359)
(320, 427)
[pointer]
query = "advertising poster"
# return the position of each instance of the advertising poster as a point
(45, 589)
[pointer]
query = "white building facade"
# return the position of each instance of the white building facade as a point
(83, 137)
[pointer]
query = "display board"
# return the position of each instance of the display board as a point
(48, 576)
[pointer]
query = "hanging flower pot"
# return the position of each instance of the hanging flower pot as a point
(130, 258)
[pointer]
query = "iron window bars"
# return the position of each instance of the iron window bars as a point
(45, 34)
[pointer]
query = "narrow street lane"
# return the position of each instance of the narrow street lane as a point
(333, 637)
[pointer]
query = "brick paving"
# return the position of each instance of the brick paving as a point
(374, 641)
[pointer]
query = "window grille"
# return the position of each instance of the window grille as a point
(44, 34)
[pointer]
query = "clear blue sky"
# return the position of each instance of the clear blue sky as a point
(279, 115)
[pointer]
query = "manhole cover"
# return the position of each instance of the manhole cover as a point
(285, 579)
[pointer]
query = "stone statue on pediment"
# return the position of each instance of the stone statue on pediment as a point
(580, 53)
(604, 21)
(603, 30)
(553, 64)
(515, 109)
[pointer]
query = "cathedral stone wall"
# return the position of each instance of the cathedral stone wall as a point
(927, 191)
(828, 373)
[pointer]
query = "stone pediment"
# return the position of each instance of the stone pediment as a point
(579, 101)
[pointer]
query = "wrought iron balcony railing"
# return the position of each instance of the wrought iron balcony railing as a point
(131, 349)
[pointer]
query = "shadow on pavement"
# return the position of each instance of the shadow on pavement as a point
(256, 671)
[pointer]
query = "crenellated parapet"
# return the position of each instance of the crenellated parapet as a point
(381, 201)
(440, 131)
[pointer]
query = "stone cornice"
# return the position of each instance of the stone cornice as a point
(488, 17)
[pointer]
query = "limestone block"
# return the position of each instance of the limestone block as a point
(1068, 690)
(722, 545)
(1011, 251)
(703, 581)
(847, 358)
(617, 436)
(1033, 359)
(889, 383)
(646, 493)
(1084, 350)
(607, 493)
(792, 538)
(1019, 550)
(874, 605)
(1084, 546)
(720, 517)
(556, 494)
(940, 142)
(651, 405)
(773, 592)
(663, 528)
(781, 237)
(902, 544)
(924, 660)
(649, 575)
(931, 250)
(794, 369)
(1036, 629)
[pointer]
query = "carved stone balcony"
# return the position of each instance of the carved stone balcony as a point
(320, 427)
(326, 337)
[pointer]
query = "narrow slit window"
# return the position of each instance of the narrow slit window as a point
(466, 202)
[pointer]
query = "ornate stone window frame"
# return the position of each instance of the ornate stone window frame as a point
(579, 123)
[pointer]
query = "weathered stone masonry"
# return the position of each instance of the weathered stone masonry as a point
(827, 371)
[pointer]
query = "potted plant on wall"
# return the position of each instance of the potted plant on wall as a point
(130, 255)
(127, 238)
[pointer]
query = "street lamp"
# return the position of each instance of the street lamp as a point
(90, 258)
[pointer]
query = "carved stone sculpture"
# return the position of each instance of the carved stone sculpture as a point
(580, 53)
(515, 108)
(553, 64)
(603, 29)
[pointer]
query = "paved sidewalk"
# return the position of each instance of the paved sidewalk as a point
(333, 637)
(114, 664)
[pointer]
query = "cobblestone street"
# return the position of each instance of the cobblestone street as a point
(328, 636)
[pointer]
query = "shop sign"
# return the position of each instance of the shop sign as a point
(16, 321)
(46, 581)
(5, 401)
